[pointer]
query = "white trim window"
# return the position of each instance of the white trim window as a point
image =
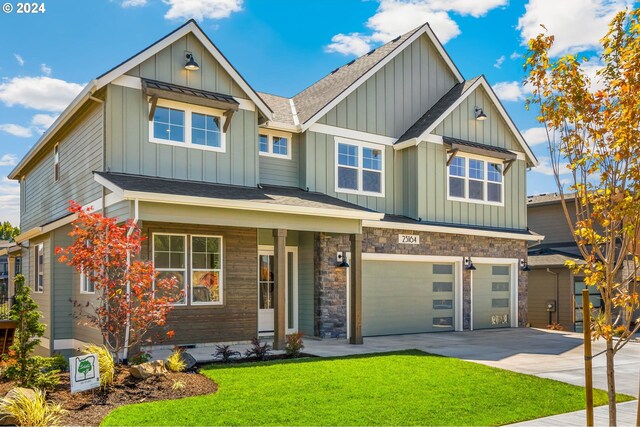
(56, 163)
(206, 270)
(185, 125)
(273, 143)
(359, 168)
(86, 285)
(475, 179)
(169, 260)
(38, 266)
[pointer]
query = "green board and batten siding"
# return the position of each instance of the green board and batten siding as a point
(397, 95)
(80, 155)
(285, 172)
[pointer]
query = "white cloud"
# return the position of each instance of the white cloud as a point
(133, 3)
(535, 136)
(46, 70)
(499, 62)
(396, 17)
(545, 167)
(42, 121)
(16, 130)
(9, 160)
(202, 9)
(349, 44)
(577, 25)
(10, 201)
(38, 93)
(511, 91)
(514, 56)
(19, 59)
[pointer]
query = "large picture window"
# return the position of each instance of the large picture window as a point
(180, 124)
(197, 267)
(476, 180)
(359, 168)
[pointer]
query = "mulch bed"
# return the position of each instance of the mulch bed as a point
(90, 407)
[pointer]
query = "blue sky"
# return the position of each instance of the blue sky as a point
(45, 58)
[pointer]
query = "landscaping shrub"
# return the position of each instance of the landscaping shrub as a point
(260, 351)
(32, 412)
(175, 362)
(294, 344)
(177, 385)
(105, 363)
(139, 358)
(225, 353)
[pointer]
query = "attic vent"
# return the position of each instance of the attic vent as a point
(396, 39)
(333, 72)
(370, 52)
(351, 62)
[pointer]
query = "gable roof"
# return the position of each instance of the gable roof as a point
(101, 81)
(281, 108)
(438, 109)
(316, 100)
(428, 124)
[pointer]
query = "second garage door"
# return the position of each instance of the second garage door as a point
(407, 297)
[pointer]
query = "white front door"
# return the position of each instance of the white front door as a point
(266, 290)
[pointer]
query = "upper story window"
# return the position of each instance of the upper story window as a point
(273, 143)
(38, 268)
(180, 124)
(359, 168)
(56, 162)
(475, 179)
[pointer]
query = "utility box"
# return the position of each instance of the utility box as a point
(551, 306)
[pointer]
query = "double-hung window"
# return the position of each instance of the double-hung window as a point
(476, 180)
(187, 125)
(196, 267)
(87, 286)
(38, 268)
(56, 162)
(359, 168)
(273, 143)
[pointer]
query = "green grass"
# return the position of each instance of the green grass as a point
(402, 388)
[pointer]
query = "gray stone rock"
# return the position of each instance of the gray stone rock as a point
(189, 360)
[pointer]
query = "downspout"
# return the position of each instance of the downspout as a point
(128, 325)
(557, 294)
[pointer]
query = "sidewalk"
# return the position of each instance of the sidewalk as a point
(626, 417)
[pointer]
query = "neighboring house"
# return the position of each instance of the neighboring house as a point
(555, 293)
(351, 209)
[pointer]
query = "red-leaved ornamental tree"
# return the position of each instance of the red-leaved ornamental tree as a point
(128, 294)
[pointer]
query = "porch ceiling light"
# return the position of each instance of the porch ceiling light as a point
(524, 265)
(191, 64)
(480, 115)
(342, 261)
(468, 265)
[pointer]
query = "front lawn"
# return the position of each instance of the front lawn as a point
(402, 388)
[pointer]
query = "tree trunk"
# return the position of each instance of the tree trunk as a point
(611, 384)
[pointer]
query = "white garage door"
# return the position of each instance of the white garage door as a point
(491, 296)
(407, 297)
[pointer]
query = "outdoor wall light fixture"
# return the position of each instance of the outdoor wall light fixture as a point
(342, 260)
(480, 115)
(468, 265)
(524, 265)
(191, 64)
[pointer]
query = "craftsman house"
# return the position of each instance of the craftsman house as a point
(389, 197)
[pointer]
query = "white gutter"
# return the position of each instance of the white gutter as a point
(71, 109)
(128, 325)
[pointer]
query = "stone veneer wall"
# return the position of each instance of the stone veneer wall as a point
(330, 287)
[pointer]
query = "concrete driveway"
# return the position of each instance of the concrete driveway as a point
(547, 354)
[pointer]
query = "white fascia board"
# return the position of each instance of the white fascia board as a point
(251, 206)
(191, 27)
(29, 234)
(424, 30)
(352, 134)
(280, 126)
(71, 109)
(453, 230)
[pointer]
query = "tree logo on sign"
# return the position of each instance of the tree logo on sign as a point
(84, 368)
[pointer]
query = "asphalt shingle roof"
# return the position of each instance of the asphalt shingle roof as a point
(280, 106)
(318, 95)
(269, 195)
(438, 109)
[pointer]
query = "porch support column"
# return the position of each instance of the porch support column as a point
(280, 284)
(355, 290)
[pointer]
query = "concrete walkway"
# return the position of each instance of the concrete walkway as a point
(548, 354)
(626, 417)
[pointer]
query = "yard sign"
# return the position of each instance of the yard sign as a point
(84, 372)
